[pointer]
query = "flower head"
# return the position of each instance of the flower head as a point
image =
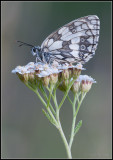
(48, 74)
(75, 87)
(85, 82)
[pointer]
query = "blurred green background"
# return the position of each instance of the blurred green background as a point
(26, 133)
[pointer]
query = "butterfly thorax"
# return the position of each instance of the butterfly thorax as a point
(41, 55)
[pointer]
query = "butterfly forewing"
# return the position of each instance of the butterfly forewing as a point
(75, 41)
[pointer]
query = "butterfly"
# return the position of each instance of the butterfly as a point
(75, 42)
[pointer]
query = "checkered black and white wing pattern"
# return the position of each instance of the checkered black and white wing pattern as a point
(75, 41)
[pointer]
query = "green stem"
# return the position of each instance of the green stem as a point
(45, 95)
(51, 114)
(55, 100)
(68, 151)
(54, 97)
(73, 123)
(50, 94)
(54, 94)
(48, 109)
(80, 102)
(66, 93)
(51, 107)
(69, 100)
(44, 103)
(38, 94)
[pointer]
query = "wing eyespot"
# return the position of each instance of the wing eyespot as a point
(83, 47)
(82, 39)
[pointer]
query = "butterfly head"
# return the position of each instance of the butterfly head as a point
(36, 50)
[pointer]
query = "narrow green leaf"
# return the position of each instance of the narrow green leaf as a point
(78, 127)
(48, 117)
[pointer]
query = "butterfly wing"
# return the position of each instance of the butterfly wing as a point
(75, 41)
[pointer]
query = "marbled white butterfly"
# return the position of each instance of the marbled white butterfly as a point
(74, 42)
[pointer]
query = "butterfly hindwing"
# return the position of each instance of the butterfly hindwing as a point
(75, 41)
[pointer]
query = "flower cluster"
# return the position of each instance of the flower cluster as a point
(51, 74)
(48, 74)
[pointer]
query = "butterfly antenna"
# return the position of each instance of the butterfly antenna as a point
(23, 43)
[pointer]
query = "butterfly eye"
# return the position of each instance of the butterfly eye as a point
(34, 49)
